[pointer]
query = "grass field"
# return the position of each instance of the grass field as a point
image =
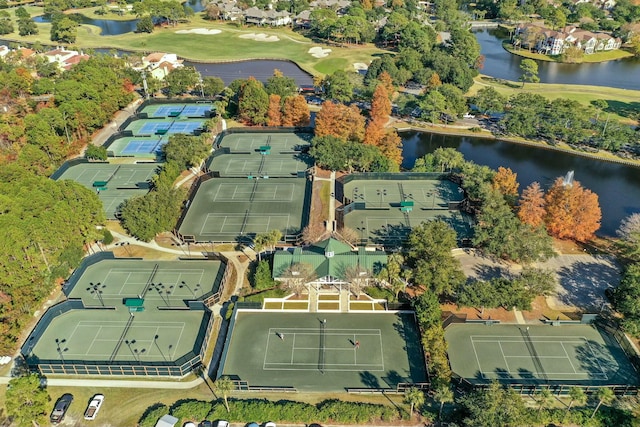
(624, 104)
(291, 45)
(594, 57)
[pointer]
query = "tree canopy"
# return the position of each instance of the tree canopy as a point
(26, 401)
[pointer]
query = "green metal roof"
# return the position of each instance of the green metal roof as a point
(341, 257)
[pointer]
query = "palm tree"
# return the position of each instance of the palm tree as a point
(442, 394)
(414, 397)
(544, 398)
(605, 395)
(224, 386)
(577, 396)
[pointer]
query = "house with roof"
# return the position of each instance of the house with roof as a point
(333, 265)
(160, 64)
(271, 17)
(65, 59)
(552, 42)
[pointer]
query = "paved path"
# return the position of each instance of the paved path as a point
(581, 279)
(101, 136)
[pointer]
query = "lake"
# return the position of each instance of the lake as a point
(617, 186)
(622, 73)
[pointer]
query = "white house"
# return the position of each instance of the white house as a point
(65, 58)
(160, 64)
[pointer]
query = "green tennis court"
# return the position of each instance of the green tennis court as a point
(384, 211)
(252, 141)
(272, 165)
(160, 283)
(300, 350)
(225, 209)
(114, 336)
(567, 354)
(114, 183)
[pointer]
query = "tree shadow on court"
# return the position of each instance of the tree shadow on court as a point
(390, 234)
(584, 283)
(407, 329)
(369, 380)
(597, 361)
(525, 374)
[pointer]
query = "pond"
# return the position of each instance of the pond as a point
(622, 73)
(260, 69)
(109, 27)
(617, 185)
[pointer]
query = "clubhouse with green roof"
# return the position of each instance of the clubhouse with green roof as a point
(327, 276)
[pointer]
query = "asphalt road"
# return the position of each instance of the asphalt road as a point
(581, 279)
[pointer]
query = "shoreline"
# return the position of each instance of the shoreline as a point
(546, 58)
(487, 135)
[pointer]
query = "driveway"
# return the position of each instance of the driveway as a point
(581, 279)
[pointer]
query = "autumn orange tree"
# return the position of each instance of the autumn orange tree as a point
(295, 111)
(380, 105)
(274, 116)
(391, 147)
(506, 182)
(531, 209)
(385, 79)
(338, 120)
(573, 212)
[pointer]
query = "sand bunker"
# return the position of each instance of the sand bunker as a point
(360, 66)
(260, 37)
(199, 31)
(318, 52)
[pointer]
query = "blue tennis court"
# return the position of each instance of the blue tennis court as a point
(168, 110)
(184, 127)
(196, 110)
(151, 128)
(143, 146)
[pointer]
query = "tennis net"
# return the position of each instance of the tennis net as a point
(533, 353)
(321, 361)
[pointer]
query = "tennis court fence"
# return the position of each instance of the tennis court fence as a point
(621, 338)
(266, 129)
(382, 176)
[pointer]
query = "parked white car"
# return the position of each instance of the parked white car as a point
(468, 116)
(94, 407)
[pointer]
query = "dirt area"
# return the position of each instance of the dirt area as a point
(317, 214)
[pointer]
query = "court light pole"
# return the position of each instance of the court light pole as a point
(155, 342)
(96, 288)
(381, 192)
(60, 347)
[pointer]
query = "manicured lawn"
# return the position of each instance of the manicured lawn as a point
(622, 102)
(213, 48)
(594, 57)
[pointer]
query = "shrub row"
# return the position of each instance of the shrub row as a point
(334, 411)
